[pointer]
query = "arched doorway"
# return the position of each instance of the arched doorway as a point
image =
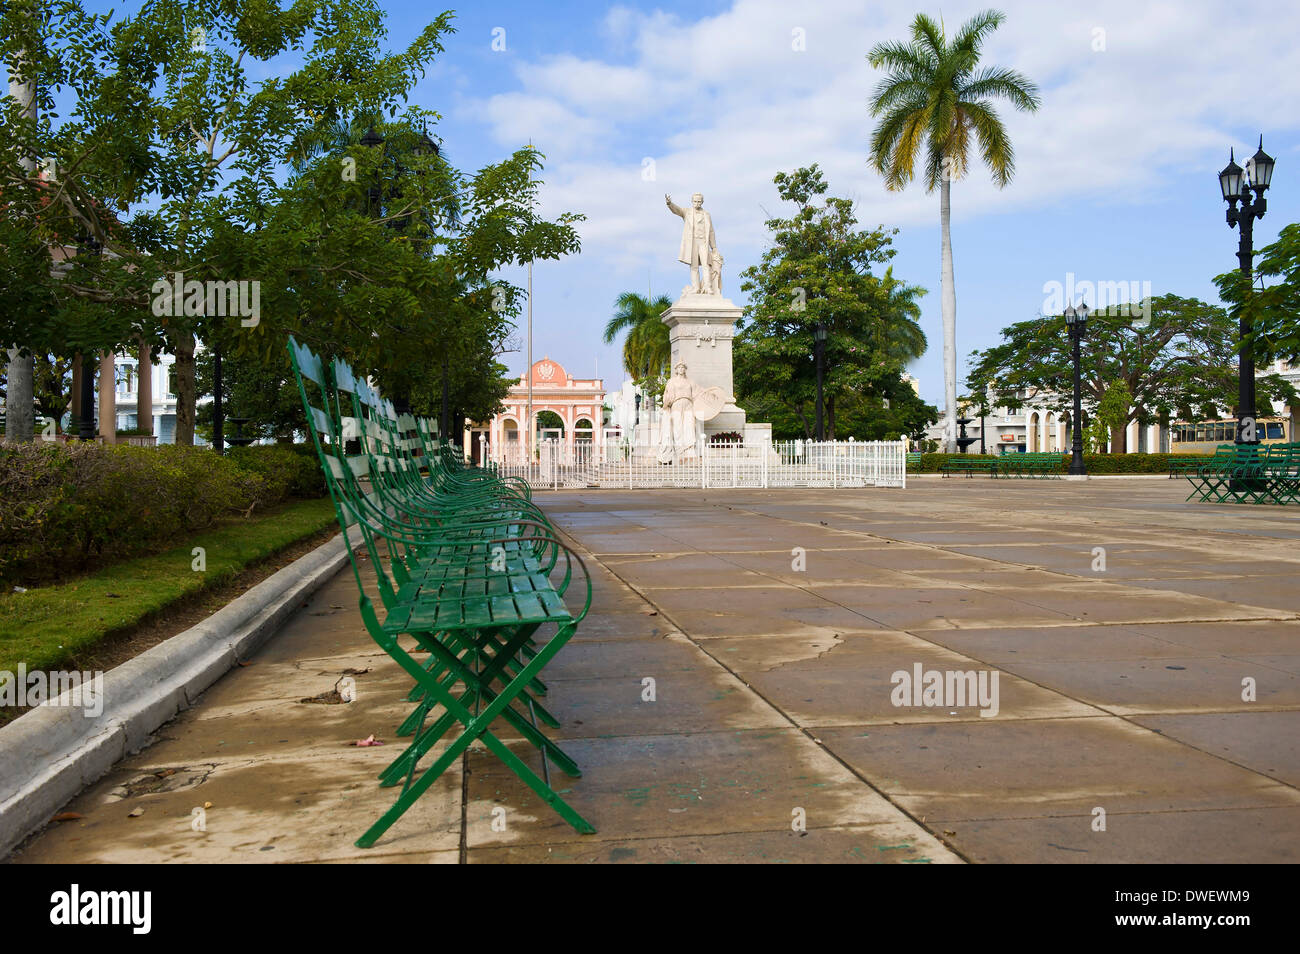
(511, 452)
(549, 426)
(584, 440)
(1031, 433)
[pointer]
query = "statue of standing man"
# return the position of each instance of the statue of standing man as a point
(699, 244)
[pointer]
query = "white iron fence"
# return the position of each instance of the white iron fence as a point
(778, 464)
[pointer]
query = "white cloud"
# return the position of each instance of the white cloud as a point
(724, 102)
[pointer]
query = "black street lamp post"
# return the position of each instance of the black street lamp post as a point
(1076, 323)
(86, 426)
(819, 354)
(1236, 184)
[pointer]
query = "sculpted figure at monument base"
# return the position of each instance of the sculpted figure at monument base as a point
(684, 407)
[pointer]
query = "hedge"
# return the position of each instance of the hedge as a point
(1094, 463)
(67, 507)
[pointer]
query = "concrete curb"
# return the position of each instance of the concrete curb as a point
(53, 752)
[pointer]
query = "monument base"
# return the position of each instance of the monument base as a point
(700, 331)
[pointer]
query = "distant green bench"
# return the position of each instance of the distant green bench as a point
(969, 465)
(1040, 465)
(1183, 466)
(1046, 465)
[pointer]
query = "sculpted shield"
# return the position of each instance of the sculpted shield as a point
(708, 402)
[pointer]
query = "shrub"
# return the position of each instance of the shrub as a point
(291, 470)
(1099, 464)
(66, 507)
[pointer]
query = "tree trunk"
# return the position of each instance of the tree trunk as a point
(803, 418)
(20, 395)
(184, 386)
(20, 401)
(74, 404)
(1119, 439)
(949, 296)
(144, 390)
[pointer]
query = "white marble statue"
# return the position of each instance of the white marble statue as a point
(677, 432)
(685, 407)
(698, 243)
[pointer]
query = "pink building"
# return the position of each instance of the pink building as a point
(577, 402)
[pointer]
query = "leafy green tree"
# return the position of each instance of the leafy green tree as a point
(821, 270)
(1113, 408)
(395, 270)
(1272, 308)
(1179, 361)
(168, 121)
(646, 349)
(253, 387)
(936, 98)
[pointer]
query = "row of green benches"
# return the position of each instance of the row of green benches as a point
(465, 565)
(1246, 473)
(1044, 465)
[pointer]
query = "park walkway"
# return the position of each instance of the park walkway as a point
(771, 623)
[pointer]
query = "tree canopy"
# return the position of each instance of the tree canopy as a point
(1178, 362)
(822, 270)
(322, 186)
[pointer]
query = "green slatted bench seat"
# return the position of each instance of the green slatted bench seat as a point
(465, 564)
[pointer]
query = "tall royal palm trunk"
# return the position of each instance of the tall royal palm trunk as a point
(949, 294)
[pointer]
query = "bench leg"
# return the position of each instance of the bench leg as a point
(476, 727)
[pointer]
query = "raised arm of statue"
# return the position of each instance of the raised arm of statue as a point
(676, 209)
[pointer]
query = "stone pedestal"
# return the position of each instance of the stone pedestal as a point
(700, 330)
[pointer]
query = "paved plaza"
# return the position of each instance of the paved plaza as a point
(1147, 654)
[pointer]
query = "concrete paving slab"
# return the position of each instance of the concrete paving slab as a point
(1168, 684)
(1092, 641)
(1014, 769)
(1233, 637)
(849, 844)
(1266, 741)
(1180, 837)
(699, 700)
(273, 809)
(677, 785)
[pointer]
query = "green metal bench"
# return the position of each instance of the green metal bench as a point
(1187, 464)
(968, 465)
(1252, 473)
(1040, 464)
(913, 462)
(1212, 481)
(464, 564)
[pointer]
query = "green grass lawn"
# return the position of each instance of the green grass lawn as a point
(46, 627)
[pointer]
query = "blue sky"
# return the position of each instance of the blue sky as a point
(1116, 174)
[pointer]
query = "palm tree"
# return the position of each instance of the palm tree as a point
(936, 92)
(903, 339)
(646, 350)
